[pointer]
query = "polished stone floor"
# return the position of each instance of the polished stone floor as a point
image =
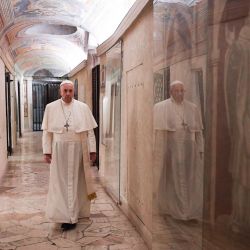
(23, 225)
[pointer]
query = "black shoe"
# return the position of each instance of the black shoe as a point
(68, 226)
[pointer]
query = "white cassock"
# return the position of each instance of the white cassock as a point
(237, 100)
(70, 187)
(178, 168)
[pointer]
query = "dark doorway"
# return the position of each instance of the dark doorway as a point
(76, 89)
(42, 94)
(95, 105)
(8, 111)
(19, 127)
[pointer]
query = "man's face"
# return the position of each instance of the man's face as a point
(177, 92)
(67, 92)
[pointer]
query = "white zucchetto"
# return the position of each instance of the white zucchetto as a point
(66, 82)
(176, 82)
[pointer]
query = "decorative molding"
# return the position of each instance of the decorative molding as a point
(133, 13)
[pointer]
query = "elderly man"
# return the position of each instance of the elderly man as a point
(68, 138)
(178, 156)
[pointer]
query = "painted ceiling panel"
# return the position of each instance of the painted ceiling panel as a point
(55, 35)
(61, 8)
(55, 64)
(7, 10)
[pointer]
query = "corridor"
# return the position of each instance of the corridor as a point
(168, 85)
(23, 199)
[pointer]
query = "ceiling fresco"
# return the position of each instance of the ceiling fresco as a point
(56, 34)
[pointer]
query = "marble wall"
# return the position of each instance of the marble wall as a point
(81, 77)
(137, 114)
(180, 53)
(206, 45)
(227, 206)
(84, 78)
(3, 139)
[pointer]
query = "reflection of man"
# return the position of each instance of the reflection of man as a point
(178, 154)
(67, 138)
(237, 96)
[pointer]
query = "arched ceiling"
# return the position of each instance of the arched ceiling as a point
(55, 35)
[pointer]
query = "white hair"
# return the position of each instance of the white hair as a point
(66, 82)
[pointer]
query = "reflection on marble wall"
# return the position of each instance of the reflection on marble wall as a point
(237, 100)
(180, 50)
(111, 120)
(179, 154)
(228, 178)
(215, 70)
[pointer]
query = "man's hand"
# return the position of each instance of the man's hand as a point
(92, 157)
(47, 158)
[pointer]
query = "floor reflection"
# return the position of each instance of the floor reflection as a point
(221, 235)
(23, 197)
(171, 234)
(112, 165)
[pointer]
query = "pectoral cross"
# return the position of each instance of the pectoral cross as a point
(67, 126)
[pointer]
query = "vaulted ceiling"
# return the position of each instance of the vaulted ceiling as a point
(55, 35)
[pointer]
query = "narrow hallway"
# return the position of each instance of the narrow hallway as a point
(23, 199)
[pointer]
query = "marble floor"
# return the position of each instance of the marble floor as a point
(23, 225)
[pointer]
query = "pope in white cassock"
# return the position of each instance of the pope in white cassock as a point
(178, 156)
(68, 137)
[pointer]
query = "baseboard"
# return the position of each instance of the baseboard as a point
(131, 215)
(136, 221)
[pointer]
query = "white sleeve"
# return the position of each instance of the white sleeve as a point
(47, 142)
(91, 141)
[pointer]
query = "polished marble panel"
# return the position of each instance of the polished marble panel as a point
(210, 55)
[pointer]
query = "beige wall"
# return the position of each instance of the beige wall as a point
(137, 103)
(84, 77)
(3, 139)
